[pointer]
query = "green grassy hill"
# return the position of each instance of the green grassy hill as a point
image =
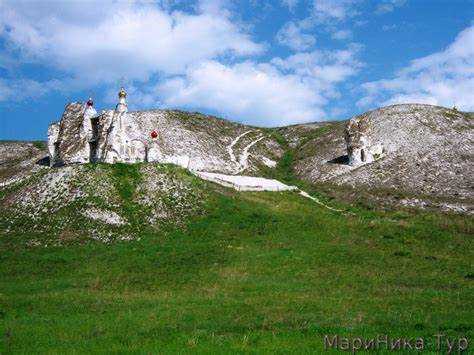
(242, 272)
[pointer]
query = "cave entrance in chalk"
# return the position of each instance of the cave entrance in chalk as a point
(94, 141)
(56, 153)
(93, 151)
(362, 155)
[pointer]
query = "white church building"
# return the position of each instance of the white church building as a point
(112, 136)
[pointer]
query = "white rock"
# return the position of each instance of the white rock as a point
(105, 216)
(268, 162)
(53, 137)
(245, 183)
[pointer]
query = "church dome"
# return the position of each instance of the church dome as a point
(122, 93)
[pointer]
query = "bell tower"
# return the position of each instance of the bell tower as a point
(122, 104)
(89, 110)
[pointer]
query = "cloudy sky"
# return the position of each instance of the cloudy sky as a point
(260, 62)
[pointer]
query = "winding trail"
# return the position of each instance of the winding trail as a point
(248, 183)
(230, 147)
(307, 195)
(243, 161)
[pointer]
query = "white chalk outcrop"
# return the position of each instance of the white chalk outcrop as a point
(426, 150)
(190, 140)
(245, 183)
(68, 140)
(359, 142)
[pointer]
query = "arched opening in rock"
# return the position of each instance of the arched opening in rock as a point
(93, 143)
(343, 160)
(362, 155)
(56, 152)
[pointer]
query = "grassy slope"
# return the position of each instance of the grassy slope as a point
(259, 271)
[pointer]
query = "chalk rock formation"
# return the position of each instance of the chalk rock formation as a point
(83, 136)
(110, 137)
(67, 139)
(89, 114)
(426, 150)
(359, 138)
(191, 140)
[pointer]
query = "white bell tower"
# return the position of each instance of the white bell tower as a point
(89, 110)
(122, 104)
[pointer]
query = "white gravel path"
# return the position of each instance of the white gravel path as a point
(252, 183)
(243, 161)
(245, 183)
(230, 147)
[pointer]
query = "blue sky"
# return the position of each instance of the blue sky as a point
(260, 62)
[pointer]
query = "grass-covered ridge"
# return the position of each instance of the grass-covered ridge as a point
(53, 206)
(258, 271)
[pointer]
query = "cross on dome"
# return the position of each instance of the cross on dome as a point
(122, 104)
(122, 93)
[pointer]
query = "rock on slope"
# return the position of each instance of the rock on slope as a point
(192, 140)
(429, 150)
(211, 144)
(19, 160)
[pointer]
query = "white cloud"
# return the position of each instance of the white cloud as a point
(292, 36)
(360, 23)
(216, 7)
(21, 89)
(327, 15)
(322, 70)
(388, 6)
(252, 93)
(341, 34)
(444, 78)
(389, 27)
(119, 39)
(319, 64)
(202, 59)
(333, 10)
(284, 91)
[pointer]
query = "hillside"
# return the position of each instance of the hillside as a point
(429, 157)
(192, 140)
(427, 164)
(146, 258)
(426, 160)
(212, 144)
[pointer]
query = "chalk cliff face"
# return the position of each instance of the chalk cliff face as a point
(419, 148)
(194, 141)
(360, 142)
(67, 141)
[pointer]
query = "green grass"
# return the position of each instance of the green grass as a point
(262, 272)
(315, 133)
(127, 176)
(39, 144)
(283, 170)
